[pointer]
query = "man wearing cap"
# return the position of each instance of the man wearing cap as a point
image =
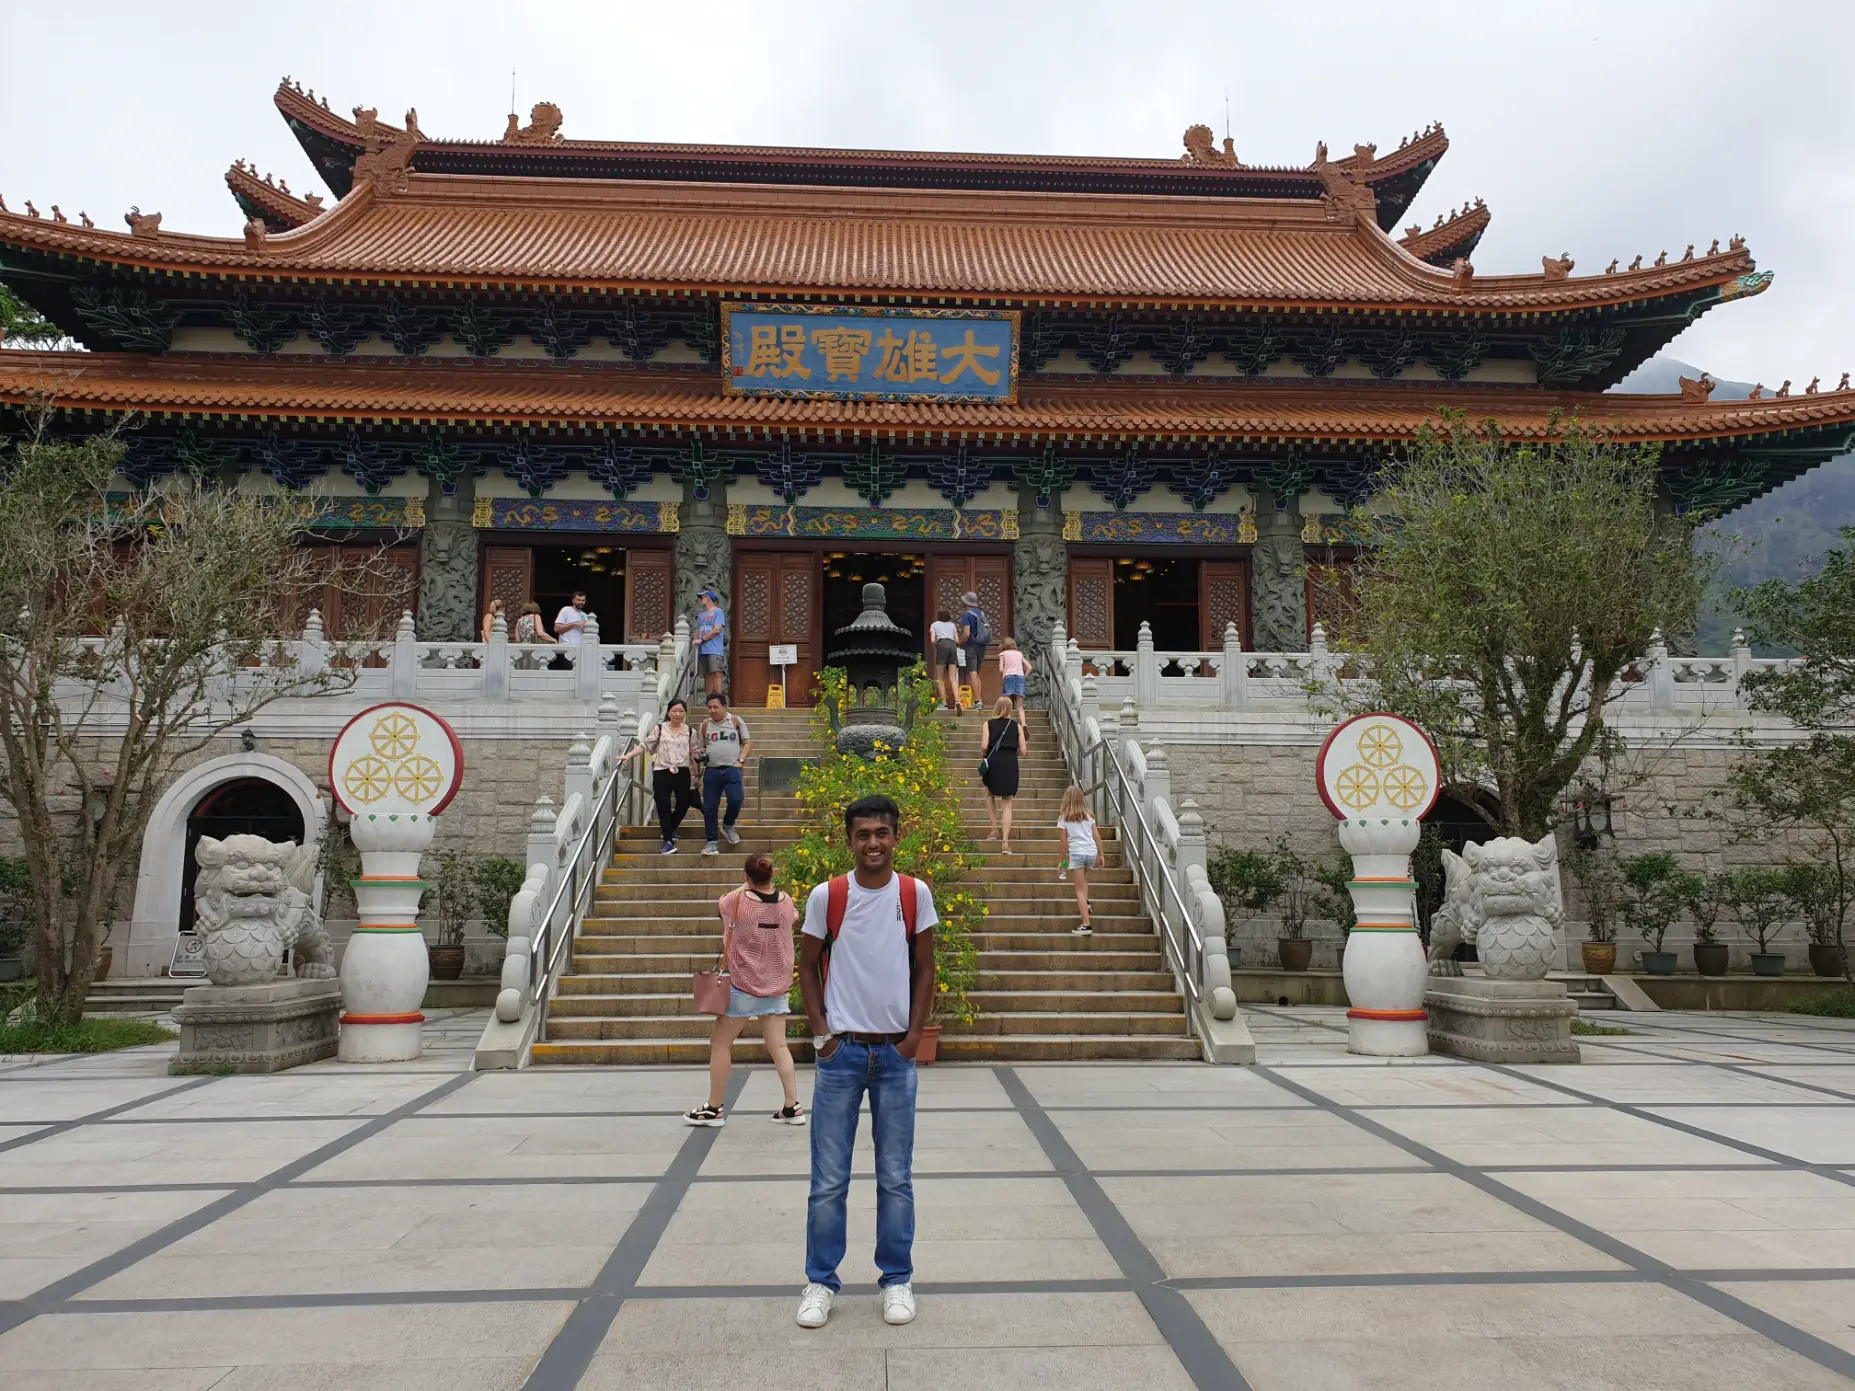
(974, 635)
(711, 641)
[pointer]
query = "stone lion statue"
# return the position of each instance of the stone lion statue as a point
(252, 901)
(1503, 898)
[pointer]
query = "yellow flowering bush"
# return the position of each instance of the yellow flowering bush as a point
(934, 845)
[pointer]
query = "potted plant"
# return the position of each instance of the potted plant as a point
(1810, 889)
(497, 880)
(1596, 874)
(1331, 898)
(1704, 906)
(1655, 890)
(456, 894)
(1250, 884)
(1756, 897)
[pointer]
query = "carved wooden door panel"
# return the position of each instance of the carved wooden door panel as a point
(776, 600)
(649, 579)
(508, 575)
(1091, 601)
(988, 576)
(1223, 599)
(1331, 600)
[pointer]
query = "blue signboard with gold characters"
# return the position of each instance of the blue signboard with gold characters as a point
(853, 353)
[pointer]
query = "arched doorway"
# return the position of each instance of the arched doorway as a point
(244, 806)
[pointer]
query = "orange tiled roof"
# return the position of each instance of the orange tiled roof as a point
(279, 208)
(1452, 236)
(515, 392)
(976, 245)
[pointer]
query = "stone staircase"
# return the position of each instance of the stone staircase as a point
(1042, 993)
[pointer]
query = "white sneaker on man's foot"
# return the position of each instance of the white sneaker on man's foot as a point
(732, 836)
(815, 1306)
(711, 849)
(898, 1304)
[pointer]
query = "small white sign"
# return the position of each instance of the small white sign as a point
(783, 654)
(189, 955)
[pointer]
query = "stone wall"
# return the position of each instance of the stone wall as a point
(1251, 793)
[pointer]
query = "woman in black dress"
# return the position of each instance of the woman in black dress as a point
(999, 746)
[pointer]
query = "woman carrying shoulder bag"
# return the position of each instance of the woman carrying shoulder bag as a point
(671, 785)
(756, 942)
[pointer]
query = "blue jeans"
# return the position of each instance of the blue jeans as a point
(837, 1097)
(715, 783)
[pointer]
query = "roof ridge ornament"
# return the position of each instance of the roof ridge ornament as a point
(387, 163)
(543, 127)
(1346, 192)
(1199, 148)
(1559, 269)
(141, 224)
(1696, 390)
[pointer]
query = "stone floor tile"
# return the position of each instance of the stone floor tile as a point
(667, 1089)
(1008, 1369)
(512, 1147)
(377, 1335)
(1823, 1307)
(1817, 1135)
(1454, 1086)
(46, 1236)
(142, 1379)
(1162, 1086)
(52, 1096)
(444, 1374)
(1539, 1135)
(354, 1093)
(713, 1367)
(944, 1321)
(1660, 1083)
(1222, 1140)
(103, 1156)
(945, 1141)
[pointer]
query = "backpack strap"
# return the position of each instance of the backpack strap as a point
(911, 905)
(836, 900)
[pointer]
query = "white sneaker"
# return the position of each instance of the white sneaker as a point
(898, 1304)
(1083, 931)
(711, 849)
(815, 1306)
(729, 834)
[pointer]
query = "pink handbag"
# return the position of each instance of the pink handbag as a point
(713, 989)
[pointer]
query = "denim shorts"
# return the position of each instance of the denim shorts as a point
(741, 1005)
(1014, 685)
(1081, 861)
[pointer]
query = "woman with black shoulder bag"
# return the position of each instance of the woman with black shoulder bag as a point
(671, 785)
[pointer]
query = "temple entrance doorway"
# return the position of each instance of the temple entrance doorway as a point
(902, 576)
(628, 587)
(242, 807)
(1187, 600)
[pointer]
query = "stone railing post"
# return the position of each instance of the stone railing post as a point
(1156, 786)
(1207, 912)
(1146, 668)
(517, 965)
(1236, 670)
(541, 844)
(312, 651)
(1072, 661)
(579, 777)
(682, 646)
(1090, 707)
(1661, 674)
(497, 661)
(1127, 726)
(607, 720)
(403, 665)
(1058, 650)
(589, 661)
(1741, 653)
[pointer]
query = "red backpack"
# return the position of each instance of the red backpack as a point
(837, 900)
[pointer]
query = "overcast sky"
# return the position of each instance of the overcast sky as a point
(1596, 129)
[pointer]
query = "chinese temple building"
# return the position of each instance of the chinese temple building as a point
(1099, 391)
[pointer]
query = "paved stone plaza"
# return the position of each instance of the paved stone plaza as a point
(1677, 1212)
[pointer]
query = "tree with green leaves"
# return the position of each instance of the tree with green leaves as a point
(135, 627)
(22, 326)
(1806, 789)
(1511, 584)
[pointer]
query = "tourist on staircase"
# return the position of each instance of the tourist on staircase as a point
(671, 789)
(1081, 848)
(866, 970)
(722, 745)
(756, 944)
(975, 635)
(712, 641)
(946, 658)
(1013, 667)
(999, 746)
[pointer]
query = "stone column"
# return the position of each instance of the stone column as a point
(704, 556)
(1039, 586)
(1278, 577)
(448, 564)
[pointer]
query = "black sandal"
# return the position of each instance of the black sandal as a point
(709, 1116)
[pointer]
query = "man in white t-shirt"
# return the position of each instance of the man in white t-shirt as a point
(866, 970)
(570, 622)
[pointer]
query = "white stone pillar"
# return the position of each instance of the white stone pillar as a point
(497, 661)
(1236, 671)
(1661, 675)
(384, 970)
(403, 665)
(589, 661)
(579, 776)
(312, 651)
(1384, 964)
(1741, 653)
(1146, 668)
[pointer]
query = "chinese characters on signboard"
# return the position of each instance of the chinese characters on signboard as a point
(851, 353)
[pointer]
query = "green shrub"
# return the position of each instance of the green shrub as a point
(1258, 880)
(497, 881)
(933, 846)
(1834, 1004)
(1655, 891)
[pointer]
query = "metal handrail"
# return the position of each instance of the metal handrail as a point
(1147, 861)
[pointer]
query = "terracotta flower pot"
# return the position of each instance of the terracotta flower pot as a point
(1295, 955)
(1710, 958)
(1825, 960)
(447, 962)
(1767, 963)
(1600, 958)
(930, 1046)
(1659, 963)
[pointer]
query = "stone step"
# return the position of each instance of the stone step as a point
(953, 1048)
(701, 872)
(1588, 1000)
(563, 1027)
(1077, 954)
(625, 1002)
(677, 982)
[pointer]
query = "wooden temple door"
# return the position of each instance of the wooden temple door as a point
(776, 601)
(649, 580)
(988, 576)
(508, 575)
(1091, 602)
(1223, 599)
(1331, 601)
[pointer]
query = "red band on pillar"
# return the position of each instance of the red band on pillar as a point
(1393, 1015)
(414, 1018)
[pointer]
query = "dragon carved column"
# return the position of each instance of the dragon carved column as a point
(448, 564)
(1039, 584)
(704, 555)
(1278, 577)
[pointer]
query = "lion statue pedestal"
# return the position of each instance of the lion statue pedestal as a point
(1504, 899)
(253, 900)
